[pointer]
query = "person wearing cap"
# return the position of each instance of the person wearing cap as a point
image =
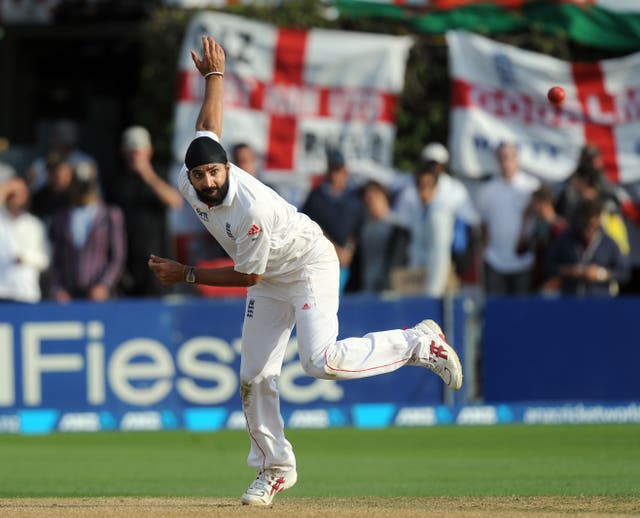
(337, 207)
(55, 194)
(291, 272)
(144, 197)
(63, 141)
(88, 241)
(451, 200)
(451, 194)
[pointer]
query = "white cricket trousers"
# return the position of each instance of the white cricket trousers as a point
(311, 303)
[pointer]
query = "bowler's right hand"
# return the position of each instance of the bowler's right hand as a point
(213, 59)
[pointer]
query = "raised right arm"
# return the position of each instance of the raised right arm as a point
(211, 66)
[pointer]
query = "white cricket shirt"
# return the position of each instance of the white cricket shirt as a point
(261, 232)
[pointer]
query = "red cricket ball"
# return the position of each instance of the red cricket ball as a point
(556, 95)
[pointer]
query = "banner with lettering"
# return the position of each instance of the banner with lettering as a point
(499, 94)
(156, 364)
(290, 94)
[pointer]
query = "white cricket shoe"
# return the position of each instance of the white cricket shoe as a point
(267, 484)
(434, 353)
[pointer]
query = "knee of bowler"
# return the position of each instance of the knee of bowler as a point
(258, 381)
(315, 366)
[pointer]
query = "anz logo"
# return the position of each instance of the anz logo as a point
(504, 69)
(202, 214)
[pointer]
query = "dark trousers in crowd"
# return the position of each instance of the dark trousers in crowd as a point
(498, 283)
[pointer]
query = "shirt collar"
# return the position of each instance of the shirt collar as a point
(233, 188)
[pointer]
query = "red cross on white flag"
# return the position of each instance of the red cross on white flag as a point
(290, 94)
(499, 94)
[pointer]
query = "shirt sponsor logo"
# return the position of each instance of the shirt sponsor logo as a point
(254, 230)
(202, 214)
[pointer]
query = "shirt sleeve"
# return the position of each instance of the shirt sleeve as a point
(184, 185)
(466, 209)
(439, 253)
(36, 251)
(481, 203)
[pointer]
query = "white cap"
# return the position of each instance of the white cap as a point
(136, 137)
(85, 171)
(435, 152)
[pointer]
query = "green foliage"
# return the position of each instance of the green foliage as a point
(423, 109)
(160, 40)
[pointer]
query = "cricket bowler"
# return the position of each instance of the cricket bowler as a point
(292, 274)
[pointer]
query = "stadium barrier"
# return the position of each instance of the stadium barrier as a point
(174, 363)
(560, 349)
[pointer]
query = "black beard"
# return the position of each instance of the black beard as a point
(213, 197)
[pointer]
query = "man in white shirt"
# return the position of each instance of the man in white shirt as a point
(450, 196)
(501, 203)
(292, 274)
(21, 279)
(432, 233)
(452, 215)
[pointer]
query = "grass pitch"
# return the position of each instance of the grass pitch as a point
(513, 460)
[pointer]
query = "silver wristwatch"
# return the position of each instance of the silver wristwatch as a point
(190, 275)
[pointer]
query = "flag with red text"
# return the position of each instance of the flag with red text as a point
(291, 94)
(499, 94)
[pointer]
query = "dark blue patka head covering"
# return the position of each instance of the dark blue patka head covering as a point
(204, 150)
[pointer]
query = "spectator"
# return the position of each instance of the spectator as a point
(501, 203)
(583, 184)
(632, 219)
(383, 243)
(54, 195)
(9, 252)
(89, 242)
(6, 171)
(432, 233)
(63, 141)
(585, 259)
(451, 196)
(243, 155)
(591, 156)
(337, 208)
(586, 184)
(144, 197)
(30, 248)
(541, 227)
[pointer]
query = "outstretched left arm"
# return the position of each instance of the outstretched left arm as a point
(171, 272)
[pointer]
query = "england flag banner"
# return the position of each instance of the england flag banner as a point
(499, 93)
(291, 94)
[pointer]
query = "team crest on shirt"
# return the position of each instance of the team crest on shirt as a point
(227, 228)
(202, 214)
